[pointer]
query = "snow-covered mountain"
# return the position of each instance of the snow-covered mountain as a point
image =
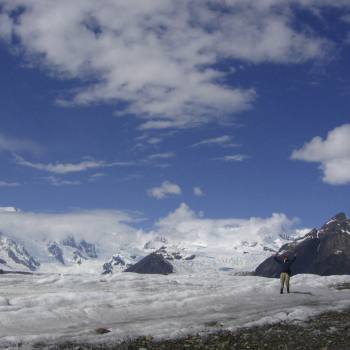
(101, 242)
(117, 263)
(188, 257)
(323, 251)
(42, 254)
(14, 255)
(69, 251)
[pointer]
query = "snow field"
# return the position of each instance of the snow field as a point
(53, 308)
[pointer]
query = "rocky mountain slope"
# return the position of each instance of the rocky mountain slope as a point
(153, 263)
(14, 255)
(68, 250)
(187, 257)
(236, 250)
(323, 251)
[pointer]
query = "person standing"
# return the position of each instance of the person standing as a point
(285, 265)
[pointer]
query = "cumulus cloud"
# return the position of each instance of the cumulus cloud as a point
(164, 190)
(65, 168)
(105, 228)
(197, 191)
(186, 225)
(333, 154)
(12, 144)
(224, 141)
(112, 229)
(158, 57)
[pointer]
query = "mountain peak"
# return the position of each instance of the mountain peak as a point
(340, 217)
(325, 251)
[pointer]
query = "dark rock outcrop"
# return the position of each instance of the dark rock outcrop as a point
(174, 255)
(152, 264)
(116, 260)
(88, 248)
(84, 248)
(69, 241)
(191, 257)
(17, 253)
(78, 257)
(325, 251)
(55, 250)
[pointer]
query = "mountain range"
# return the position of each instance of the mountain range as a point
(323, 251)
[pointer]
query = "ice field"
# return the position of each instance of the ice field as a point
(56, 308)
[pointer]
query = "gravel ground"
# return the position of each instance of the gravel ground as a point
(328, 331)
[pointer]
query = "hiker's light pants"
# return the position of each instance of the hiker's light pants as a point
(284, 280)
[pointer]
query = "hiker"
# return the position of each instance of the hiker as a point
(285, 270)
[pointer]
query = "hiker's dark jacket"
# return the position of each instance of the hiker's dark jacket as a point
(285, 266)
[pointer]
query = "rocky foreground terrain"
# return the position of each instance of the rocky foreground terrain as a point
(329, 331)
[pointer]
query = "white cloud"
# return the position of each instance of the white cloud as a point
(11, 144)
(234, 158)
(5, 27)
(153, 137)
(224, 141)
(157, 56)
(154, 140)
(9, 184)
(58, 182)
(165, 189)
(105, 228)
(185, 225)
(346, 18)
(65, 168)
(333, 153)
(145, 140)
(110, 229)
(96, 176)
(197, 191)
(165, 155)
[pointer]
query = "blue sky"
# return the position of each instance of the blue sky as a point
(117, 106)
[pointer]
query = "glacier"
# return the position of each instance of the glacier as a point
(57, 308)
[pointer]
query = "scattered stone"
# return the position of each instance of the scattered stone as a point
(191, 257)
(285, 336)
(213, 324)
(341, 286)
(102, 330)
